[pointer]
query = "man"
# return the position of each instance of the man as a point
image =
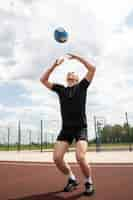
(74, 122)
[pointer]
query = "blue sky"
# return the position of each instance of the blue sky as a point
(129, 19)
(12, 95)
(100, 31)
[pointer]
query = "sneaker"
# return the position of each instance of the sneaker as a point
(71, 185)
(89, 189)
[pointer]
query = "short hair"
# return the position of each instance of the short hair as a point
(77, 77)
(70, 73)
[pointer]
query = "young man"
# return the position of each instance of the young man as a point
(74, 122)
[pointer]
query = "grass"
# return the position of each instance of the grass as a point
(25, 147)
(50, 146)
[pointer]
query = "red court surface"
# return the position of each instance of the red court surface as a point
(40, 181)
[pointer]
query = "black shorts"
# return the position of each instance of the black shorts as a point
(69, 135)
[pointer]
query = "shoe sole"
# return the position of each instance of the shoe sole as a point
(73, 188)
(89, 194)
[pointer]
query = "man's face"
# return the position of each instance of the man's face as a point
(72, 78)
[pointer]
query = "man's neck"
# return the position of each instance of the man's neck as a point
(71, 85)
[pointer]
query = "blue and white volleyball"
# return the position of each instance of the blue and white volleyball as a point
(60, 35)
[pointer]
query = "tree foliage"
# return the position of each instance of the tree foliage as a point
(117, 133)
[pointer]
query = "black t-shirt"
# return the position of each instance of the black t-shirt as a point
(72, 104)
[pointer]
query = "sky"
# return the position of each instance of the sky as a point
(99, 31)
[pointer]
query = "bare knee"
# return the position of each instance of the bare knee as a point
(59, 151)
(80, 157)
(57, 158)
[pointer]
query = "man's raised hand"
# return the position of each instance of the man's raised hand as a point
(59, 61)
(71, 56)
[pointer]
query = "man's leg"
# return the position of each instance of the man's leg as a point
(60, 149)
(81, 149)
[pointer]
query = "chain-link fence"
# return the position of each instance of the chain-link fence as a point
(22, 135)
(42, 134)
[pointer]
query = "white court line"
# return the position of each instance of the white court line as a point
(53, 165)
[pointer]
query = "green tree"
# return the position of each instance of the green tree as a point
(116, 133)
(106, 134)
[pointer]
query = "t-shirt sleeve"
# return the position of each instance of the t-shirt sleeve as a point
(57, 88)
(84, 83)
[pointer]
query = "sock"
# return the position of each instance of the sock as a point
(72, 176)
(88, 180)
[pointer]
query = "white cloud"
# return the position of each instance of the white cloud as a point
(110, 12)
(97, 31)
(34, 45)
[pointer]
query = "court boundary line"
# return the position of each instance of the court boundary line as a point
(50, 164)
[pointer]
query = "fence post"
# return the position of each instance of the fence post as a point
(41, 135)
(128, 129)
(95, 126)
(46, 140)
(30, 139)
(19, 136)
(52, 140)
(8, 138)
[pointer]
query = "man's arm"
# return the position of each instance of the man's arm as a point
(45, 76)
(91, 69)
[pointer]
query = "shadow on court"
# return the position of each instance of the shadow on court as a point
(51, 196)
(34, 181)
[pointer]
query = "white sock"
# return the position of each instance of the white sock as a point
(89, 180)
(72, 176)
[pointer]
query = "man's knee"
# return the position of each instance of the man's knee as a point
(57, 158)
(80, 157)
